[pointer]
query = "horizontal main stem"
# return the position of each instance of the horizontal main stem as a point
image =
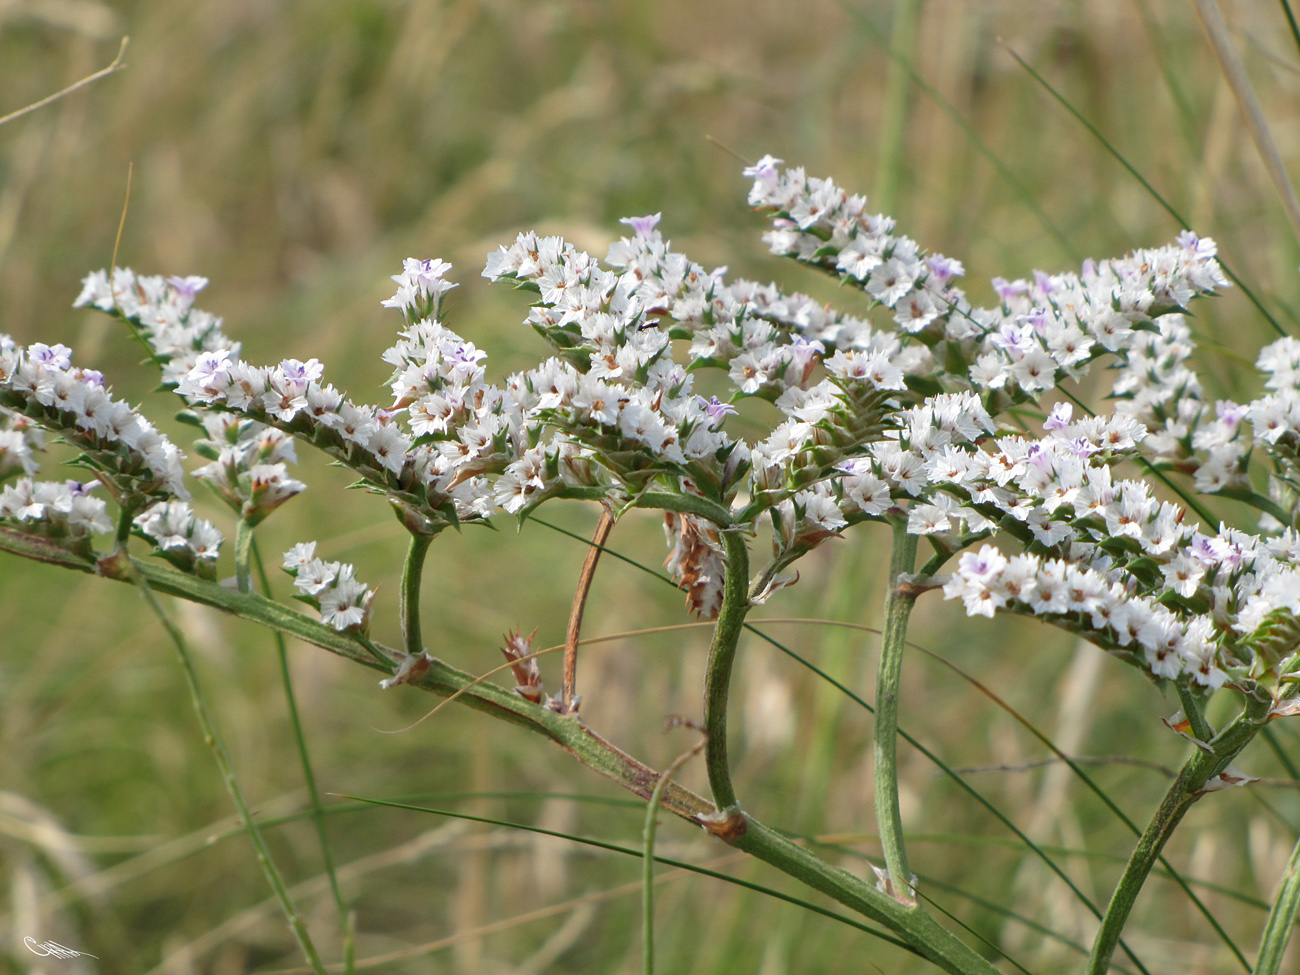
(928, 938)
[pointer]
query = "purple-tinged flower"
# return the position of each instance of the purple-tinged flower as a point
(765, 168)
(1006, 290)
(1200, 248)
(943, 269)
(1015, 339)
(1046, 283)
(715, 410)
(983, 565)
(642, 226)
(301, 373)
(1229, 413)
(185, 288)
(51, 356)
(1059, 418)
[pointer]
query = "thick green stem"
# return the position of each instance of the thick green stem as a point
(409, 608)
(931, 940)
(125, 519)
(243, 556)
(1192, 712)
(722, 654)
(1186, 789)
(749, 835)
(899, 601)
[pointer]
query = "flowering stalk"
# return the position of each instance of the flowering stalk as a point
(932, 941)
(568, 696)
(409, 608)
(904, 425)
(899, 600)
(1205, 771)
(717, 677)
(243, 556)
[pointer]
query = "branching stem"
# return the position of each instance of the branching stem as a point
(1186, 789)
(722, 654)
(243, 556)
(579, 605)
(412, 570)
(898, 608)
(929, 939)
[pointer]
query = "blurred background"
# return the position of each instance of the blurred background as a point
(295, 153)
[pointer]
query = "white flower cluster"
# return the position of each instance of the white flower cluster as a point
(61, 510)
(1051, 486)
(819, 223)
(1157, 387)
(767, 341)
(331, 587)
(248, 469)
(1222, 608)
(40, 384)
(187, 541)
(1169, 644)
(615, 390)
(609, 328)
(1042, 332)
(290, 397)
(462, 426)
(163, 309)
(1274, 419)
(420, 288)
(873, 423)
(20, 441)
(1130, 573)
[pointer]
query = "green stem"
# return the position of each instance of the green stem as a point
(1192, 712)
(269, 868)
(125, 519)
(243, 556)
(929, 939)
(1277, 932)
(648, 861)
(722, 654)
(894, 114)
(1186, 789)
(309, 779)
(899, 601)
(409, 607)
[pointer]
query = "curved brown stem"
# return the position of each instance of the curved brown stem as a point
(603, 527)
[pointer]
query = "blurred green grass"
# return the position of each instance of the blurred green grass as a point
(295, 153)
